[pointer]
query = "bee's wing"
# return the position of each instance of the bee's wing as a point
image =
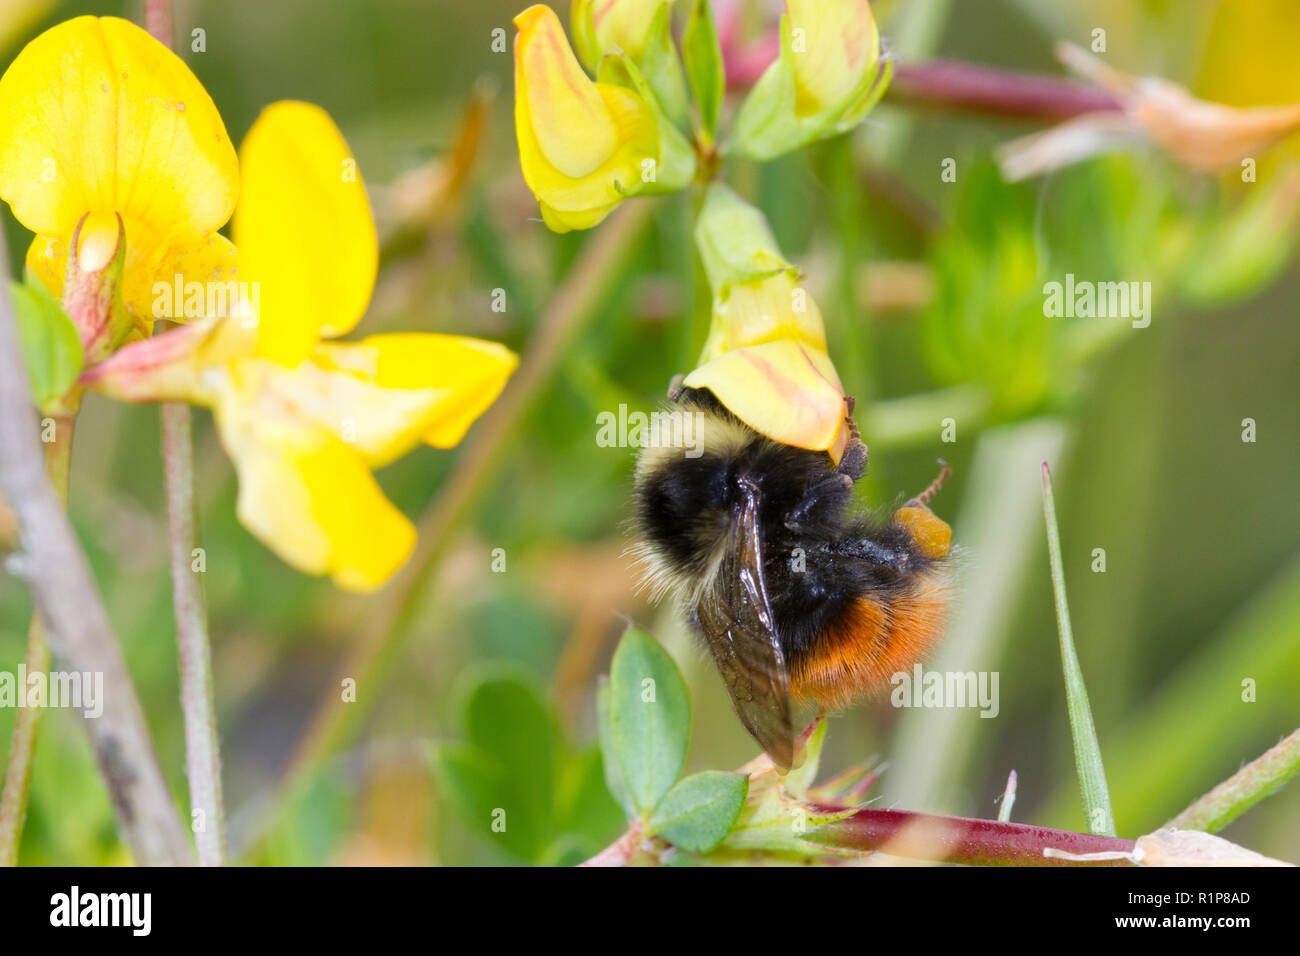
(736, 618)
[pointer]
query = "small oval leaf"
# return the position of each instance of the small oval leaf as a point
(51, 347)
(649, 718)
(700, 811)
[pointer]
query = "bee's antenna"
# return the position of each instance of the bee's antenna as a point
(944, 472)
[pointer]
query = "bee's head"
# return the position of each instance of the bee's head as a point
(683, 507)
(686, 504)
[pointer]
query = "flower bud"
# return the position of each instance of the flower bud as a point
(826, 78)
(92, 293)
(641, 30)
(586, 146)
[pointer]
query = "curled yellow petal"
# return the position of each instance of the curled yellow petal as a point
(466, 373)
(833, 44)
(582, 145)
(304, 230)
(567, 116)
(783, 389)
(308, 495)
(98, 117)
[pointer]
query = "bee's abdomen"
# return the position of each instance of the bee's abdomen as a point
(868, 640)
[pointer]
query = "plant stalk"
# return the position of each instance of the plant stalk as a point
(1087, 750)
(1252, 783)
(202, 748)
(78, 628)
(925, 836)
(22, 746)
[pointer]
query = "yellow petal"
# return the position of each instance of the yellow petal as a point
(565, 112)
(569, 203)
(198, 279)
(380, 423)
(307, 495)
(783, 389)
(304, 230)
(97, 116)
(1252, 61)
(467, 373)
(751, 313)
(838, 44)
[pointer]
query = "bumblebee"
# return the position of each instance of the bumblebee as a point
(800, 597)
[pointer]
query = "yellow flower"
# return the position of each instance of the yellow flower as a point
(98, 120)
(304, 420)
(765, 357)
(586, 146)
(825, 80)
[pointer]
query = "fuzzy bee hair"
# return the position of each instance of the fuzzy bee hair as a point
(853, 599)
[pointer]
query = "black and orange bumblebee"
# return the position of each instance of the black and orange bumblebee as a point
(799, 595)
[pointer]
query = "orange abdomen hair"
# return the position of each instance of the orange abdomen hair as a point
(868, 643)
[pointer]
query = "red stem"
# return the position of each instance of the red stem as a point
(947, 84)
(158, 20)
(962, 840)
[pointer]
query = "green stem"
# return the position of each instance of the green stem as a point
(202, 750)
(1252, 783)
(1087, 751)
(22, 746)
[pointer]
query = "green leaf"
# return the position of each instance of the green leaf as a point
(583, 806)
(506, 718)
(663, 69)
(503, 780)
(649, 718)
(609, 758)
(700, 811)
(1087, 751)
(478, 789)
(704, 67)
(51, 347)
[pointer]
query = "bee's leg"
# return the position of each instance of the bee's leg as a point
(923, 499)
(836, 486)
(854, 461)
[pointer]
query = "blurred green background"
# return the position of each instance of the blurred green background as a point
(929, 288)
